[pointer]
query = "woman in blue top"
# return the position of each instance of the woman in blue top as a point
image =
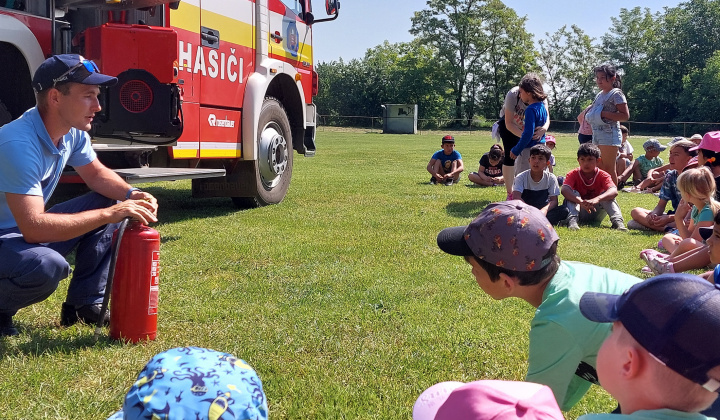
(531, 93)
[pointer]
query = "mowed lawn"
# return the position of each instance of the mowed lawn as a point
(338, 296)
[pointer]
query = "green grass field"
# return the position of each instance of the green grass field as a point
(339, 296)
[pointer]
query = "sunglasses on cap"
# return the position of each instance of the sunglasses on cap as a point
(88, 65)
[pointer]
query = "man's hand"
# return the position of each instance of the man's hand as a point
(141, 210)
(147, 197)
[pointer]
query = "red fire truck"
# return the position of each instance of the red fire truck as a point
(218, 91)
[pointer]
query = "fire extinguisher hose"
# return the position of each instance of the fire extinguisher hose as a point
(111, 274)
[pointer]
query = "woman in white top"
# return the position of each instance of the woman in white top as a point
(608, 110)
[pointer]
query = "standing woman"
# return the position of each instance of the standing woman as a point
(511, 126)
(607, 111)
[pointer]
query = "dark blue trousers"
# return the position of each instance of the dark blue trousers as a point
(29, 273)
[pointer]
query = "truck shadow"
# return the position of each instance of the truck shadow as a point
(174, 205)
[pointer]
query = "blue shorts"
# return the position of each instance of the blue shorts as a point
(606, 136)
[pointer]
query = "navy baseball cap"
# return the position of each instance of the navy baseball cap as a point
(510, 234)
(448, 139)
(675, 317)
(65, 68)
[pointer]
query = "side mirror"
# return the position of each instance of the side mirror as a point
(332, 6)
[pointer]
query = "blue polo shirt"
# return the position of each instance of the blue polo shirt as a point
(446, 160)
(30, 163)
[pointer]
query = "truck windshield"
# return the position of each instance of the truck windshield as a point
(293, 5)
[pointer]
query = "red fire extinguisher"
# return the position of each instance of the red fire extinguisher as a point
(135, 284)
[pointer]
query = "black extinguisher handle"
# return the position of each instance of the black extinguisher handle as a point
(111, 274)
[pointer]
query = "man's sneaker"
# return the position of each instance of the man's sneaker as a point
(632, 224)
(448, 182)
(660, 266)
(573, 223)
(7, 328)
(619, 225)
(433, 181)
(89, 314)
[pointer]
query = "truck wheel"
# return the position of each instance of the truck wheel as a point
(273, 169)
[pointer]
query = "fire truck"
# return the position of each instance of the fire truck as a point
(217, 91)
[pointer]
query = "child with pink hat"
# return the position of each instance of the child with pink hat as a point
(487, 400)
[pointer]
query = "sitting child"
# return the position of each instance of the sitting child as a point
(711, 236)
(590, 192)
(681, 157)
(446, 164)
(708, 151)
(512, 249)
(697, 188)
(538, 187)
(487, 399)
(171, 386)
(660, 361)
(550, 143)
(625, 153)
(640, 169)
(489, 173)
(708, 155)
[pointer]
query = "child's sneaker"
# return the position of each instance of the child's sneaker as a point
(448, 182)
(573, 223)
(646, 270)
(433, 181)
(650, 254)
(660, 266)
(633, 224)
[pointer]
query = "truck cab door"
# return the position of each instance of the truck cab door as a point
(290, 37)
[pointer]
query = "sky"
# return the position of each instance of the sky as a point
(364, 24)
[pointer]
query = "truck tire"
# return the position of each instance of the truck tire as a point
(271, 174)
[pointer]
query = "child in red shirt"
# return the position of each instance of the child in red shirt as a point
(590, 192)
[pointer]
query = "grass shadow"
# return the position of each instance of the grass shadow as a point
(466, 208)
(46, 339)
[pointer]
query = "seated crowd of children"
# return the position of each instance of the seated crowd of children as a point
(650, 344)
(689, 182)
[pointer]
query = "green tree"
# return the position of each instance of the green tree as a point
(511, 54)
(567, 58)
(388, 73)
(701, 93)
(464, 33)
(630, 43)
(681, 42)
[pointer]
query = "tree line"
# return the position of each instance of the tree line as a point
(466, 55)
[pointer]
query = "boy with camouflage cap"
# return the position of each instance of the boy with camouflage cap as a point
(512, 249)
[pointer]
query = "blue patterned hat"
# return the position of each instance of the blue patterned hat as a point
(195, 383)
